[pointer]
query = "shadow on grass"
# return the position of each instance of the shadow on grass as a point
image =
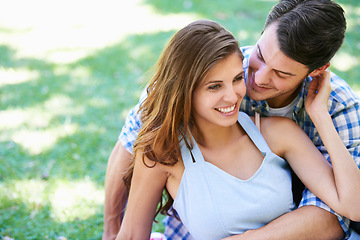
(91, 98)
(90, 93)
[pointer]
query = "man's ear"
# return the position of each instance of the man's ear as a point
(320, 70)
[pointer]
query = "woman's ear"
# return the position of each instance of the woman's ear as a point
(320, 70)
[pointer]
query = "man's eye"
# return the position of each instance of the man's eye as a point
(280, 75)
(259, 57)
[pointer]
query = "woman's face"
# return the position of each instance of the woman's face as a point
(216, 100)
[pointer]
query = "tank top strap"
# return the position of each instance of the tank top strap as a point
(250, 128)
(190, 156)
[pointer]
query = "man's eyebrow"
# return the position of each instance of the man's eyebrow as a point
(262, 57)
(259, 51)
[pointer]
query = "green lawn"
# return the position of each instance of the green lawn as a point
(69, 73)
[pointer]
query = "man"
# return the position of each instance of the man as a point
(298, 41)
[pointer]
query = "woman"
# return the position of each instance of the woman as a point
(210, 158)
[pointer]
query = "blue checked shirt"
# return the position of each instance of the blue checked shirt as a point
(343, 107)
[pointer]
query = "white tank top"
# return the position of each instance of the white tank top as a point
(213, 204)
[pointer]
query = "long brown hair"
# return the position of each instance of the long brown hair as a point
(166, 113)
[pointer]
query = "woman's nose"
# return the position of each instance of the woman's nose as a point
(231, 94)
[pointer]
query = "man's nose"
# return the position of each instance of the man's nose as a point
(262, 75)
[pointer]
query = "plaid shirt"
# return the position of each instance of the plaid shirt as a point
(343, 107)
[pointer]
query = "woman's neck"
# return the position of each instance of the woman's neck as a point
(218, 137)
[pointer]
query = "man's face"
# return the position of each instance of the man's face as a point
(272, 75)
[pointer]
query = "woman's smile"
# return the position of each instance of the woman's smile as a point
(226, 109)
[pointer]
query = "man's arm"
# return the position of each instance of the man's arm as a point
(115, 191)
(305, 223)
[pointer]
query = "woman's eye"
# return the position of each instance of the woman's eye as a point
(239, 78)
(214, 87)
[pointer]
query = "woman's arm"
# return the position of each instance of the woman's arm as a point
(146, 189)
(338, 187)
(316, 106)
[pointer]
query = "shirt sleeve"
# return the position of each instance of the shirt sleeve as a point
(132, 126)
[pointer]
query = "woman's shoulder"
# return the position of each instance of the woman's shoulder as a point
(271, 123)
(156, 168)
(278, 132)
(147, 165)
(275, 121)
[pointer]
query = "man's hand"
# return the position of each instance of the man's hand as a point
(115, 191)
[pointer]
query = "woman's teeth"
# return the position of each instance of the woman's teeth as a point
(227, 109)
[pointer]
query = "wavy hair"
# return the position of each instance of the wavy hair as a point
(166, 113)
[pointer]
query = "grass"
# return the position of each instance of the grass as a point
(66, 85)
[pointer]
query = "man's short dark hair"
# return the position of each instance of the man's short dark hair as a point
(308, 31)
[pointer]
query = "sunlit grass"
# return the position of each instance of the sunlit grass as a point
(75, 200)
(10, 76)
(66, 31)
(345, 62)
(31, 128)
(51, 204)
